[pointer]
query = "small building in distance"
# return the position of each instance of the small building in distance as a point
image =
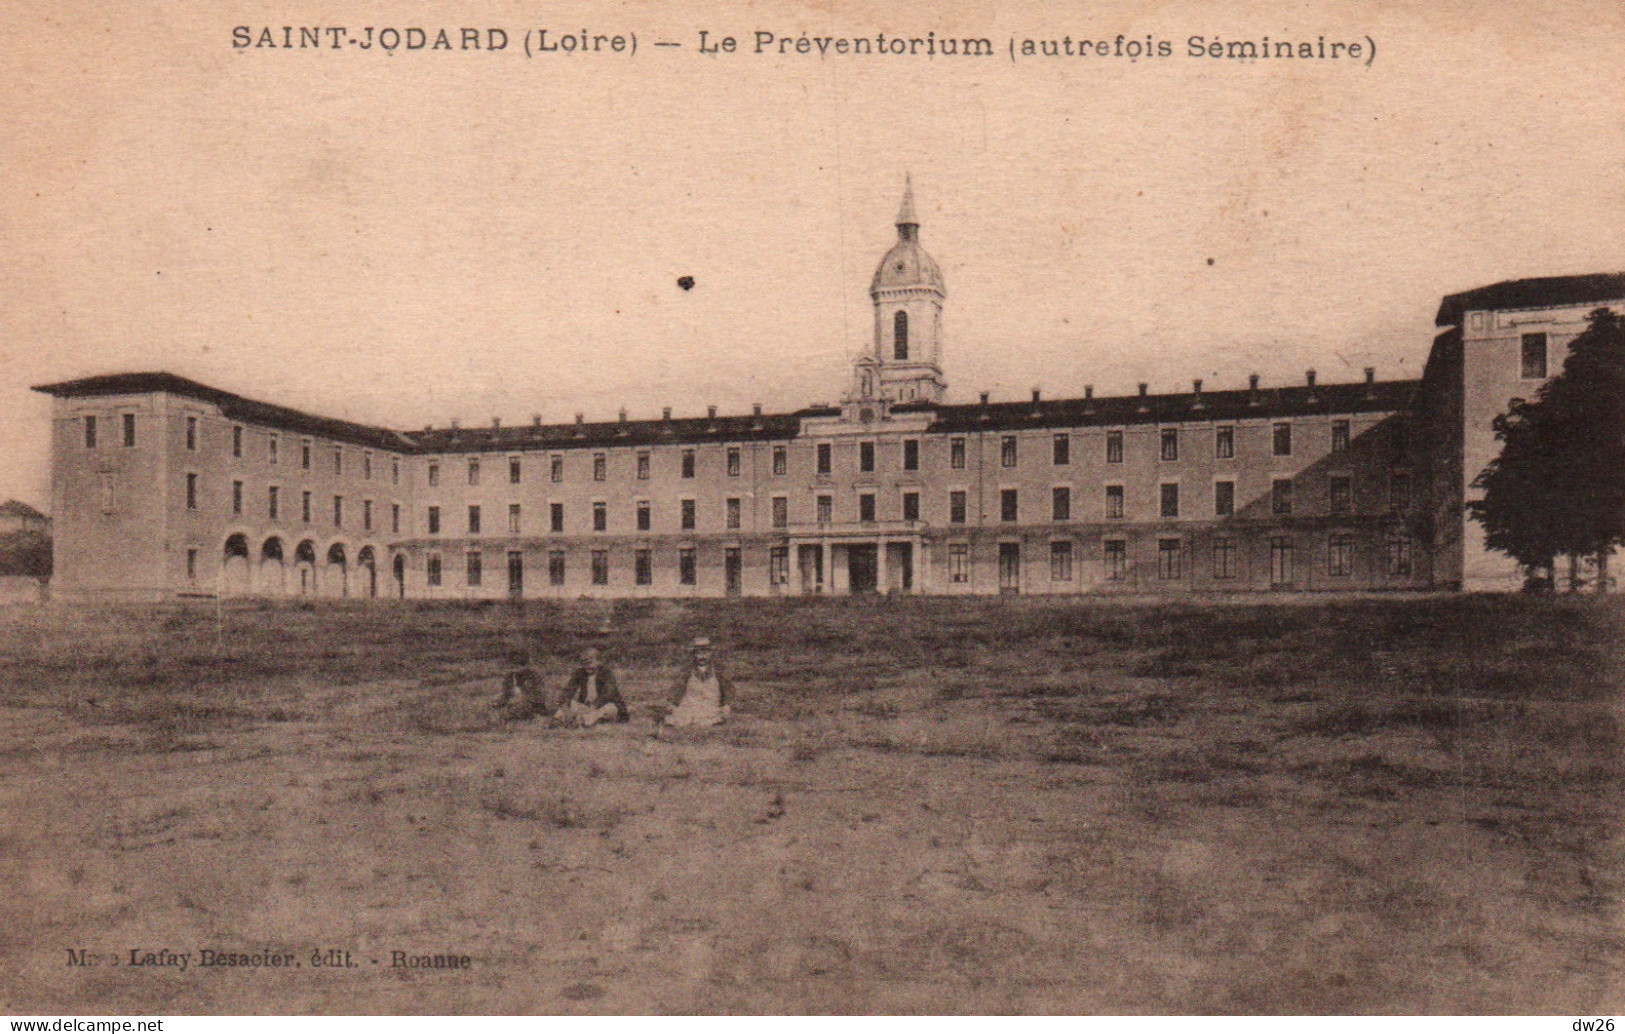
(18, 516)
(165, 488)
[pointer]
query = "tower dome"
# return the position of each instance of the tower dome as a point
(907, 264)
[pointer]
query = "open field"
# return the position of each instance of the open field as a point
(1393, 805)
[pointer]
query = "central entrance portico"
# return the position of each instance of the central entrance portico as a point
(856, 559)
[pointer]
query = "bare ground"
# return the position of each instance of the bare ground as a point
(1396, 805)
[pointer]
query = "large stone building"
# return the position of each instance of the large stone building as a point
(167, 488)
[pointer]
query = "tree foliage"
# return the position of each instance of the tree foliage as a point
(1558, 486)
(25, 553)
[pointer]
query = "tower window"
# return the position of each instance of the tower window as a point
(900, 335)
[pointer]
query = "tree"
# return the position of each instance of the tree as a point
(1558, 486)
(25, 553)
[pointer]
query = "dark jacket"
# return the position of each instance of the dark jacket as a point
(609, 691)
(523, 690)
(725, 687)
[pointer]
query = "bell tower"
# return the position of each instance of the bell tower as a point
(908, 292)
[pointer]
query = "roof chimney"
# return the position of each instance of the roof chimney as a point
(1252, 389)
(428, 428)
(665, 413)
(454, 425)
(756, 409)
(536, 420)
(623, 414)
(1037, 394)
(1370, 381)
(496, 423)
(1143, 388)
(579, 419)
(1196, 389)
(1309, 376)
(984, 398)
(1142, 407)
(710, 412)
(756, 416)
(1088, 391)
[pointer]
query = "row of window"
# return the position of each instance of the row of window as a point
(307, 447)
(1172, 558)
(273, 505)
(599, 567)
(688, 461)
(1009, 453)
(1061, 454)
(1225, 557)
(1339, 502)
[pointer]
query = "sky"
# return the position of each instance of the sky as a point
(406, 239)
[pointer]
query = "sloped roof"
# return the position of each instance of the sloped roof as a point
(776, 426)
(235, 407)
(1533, 293)
(17, 508)
(1298, 400)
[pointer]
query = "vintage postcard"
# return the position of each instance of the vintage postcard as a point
(792, 507)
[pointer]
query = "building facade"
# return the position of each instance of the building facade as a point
(166, 488)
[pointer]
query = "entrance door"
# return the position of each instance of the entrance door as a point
(732, 570)
(516, 575)
(810, 560)
(862, 567)
(1009, 567)
(899, 567)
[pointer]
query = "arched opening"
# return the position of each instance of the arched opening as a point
(899, 335)
(304, 563)
(271, 581)
(366, 562)
(400, 575)
(339, 582)
(234, 576)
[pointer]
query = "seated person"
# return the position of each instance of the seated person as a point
(522, 696)
(702, 694)
(592, 695)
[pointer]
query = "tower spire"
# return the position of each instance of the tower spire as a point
(907, 223)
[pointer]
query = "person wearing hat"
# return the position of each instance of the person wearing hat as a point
(592, 694)
(702, 694)
(522, 695)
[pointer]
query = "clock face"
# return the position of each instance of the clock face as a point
(866, 414)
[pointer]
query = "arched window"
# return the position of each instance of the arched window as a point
(899, 335)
